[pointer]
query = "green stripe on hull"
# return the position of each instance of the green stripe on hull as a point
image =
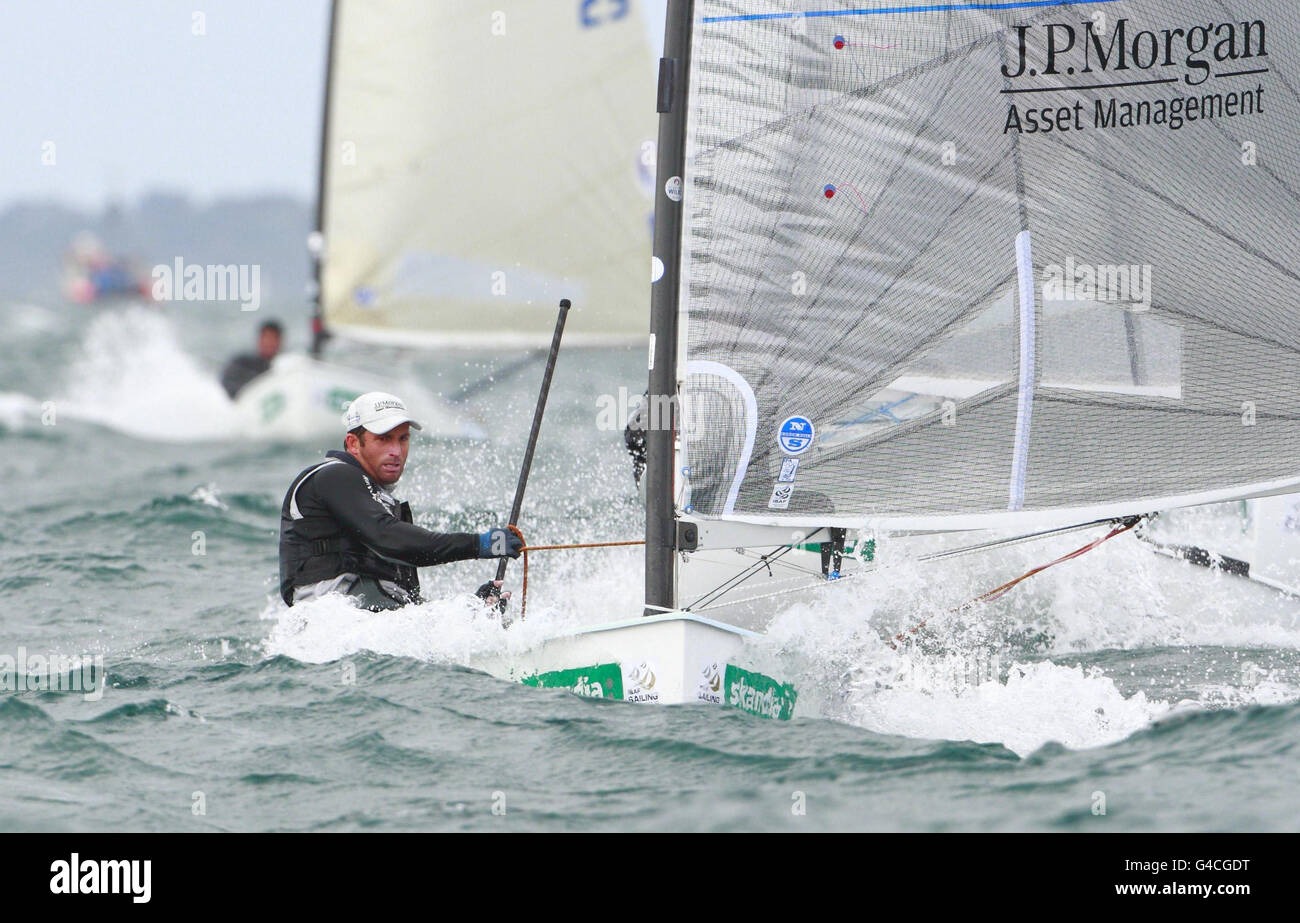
(602, 681)
(758, 694)
(746, 690)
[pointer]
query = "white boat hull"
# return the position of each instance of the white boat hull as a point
(670, 659)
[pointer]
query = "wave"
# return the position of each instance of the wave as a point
(1026, 671)
(132, 374)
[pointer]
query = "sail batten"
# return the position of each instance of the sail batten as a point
(1011, 264)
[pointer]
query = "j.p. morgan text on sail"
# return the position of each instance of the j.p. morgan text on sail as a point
(1130, 58)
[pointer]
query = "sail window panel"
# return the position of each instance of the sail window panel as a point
(1239, 412)
(1094, 346)
(926, 468)
(980, 356)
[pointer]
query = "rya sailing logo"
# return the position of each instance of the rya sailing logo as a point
(642, 676)
(639, 683)
(713, 677)
(709, 688)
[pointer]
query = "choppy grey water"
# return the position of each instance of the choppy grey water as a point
(1119, 692)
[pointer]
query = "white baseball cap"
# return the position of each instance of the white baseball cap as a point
(377, 412)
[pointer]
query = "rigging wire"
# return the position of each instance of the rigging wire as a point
(732, 583)
(708, 602)
(998, 592)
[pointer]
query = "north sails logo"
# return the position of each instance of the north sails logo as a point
(1088, 48)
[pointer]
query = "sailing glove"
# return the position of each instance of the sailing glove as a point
(499, 543)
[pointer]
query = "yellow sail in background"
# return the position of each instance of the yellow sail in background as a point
(483, 161)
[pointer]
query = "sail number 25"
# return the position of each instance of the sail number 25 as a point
(592, 13)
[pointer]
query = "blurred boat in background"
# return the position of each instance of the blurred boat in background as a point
(302, 398)
(92, 274)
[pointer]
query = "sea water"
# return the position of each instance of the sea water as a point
(1121, 691)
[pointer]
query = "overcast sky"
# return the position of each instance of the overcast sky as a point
(126, 98)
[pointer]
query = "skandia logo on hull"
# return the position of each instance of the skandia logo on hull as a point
(588, 688)
(747, 698)
(1124, 49)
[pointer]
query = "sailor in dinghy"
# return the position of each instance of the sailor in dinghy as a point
(342, 530)
(243, 368)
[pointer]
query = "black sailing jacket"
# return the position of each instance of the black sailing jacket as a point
(335, 520)
(242, 369)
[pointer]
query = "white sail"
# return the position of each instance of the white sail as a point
(483, 161)
(974, 323)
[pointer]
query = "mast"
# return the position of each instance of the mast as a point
(661, 409)
(316, 240)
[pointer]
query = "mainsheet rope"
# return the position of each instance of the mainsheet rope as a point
(523, 593)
